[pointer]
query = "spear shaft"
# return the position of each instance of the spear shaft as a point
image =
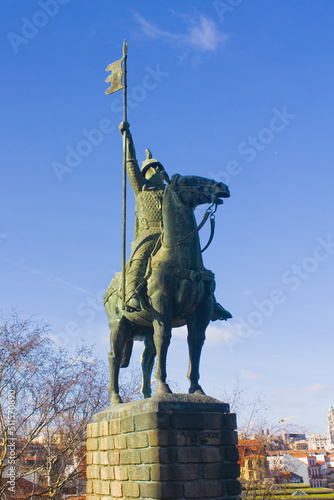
(124, 174)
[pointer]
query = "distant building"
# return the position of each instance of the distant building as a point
(293, 437)
(253, 460)
(23, 489)
(330, 423)
(317, 441)
(254, 468)
(285, 461)
(313, 470)
(314, 441)
(316, 467)
(300, 445)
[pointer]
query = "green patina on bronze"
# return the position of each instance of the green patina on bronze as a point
(166, 282)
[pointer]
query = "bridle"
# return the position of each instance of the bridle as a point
(209, 212)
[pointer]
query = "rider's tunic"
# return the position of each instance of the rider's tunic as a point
(148, 225)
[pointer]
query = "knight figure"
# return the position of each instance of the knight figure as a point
(148, 185)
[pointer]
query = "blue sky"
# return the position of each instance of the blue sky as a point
(233, 90)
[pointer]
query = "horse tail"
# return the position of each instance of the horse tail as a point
(126, 355)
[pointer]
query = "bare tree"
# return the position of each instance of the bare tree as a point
(47, 398)
(130, 383)
(250, 411)
(255, 443)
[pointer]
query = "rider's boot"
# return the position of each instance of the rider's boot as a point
(133, 303)
(219, 312)
(134, 279)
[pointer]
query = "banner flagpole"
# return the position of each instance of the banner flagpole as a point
(125, 48)
(115, 78)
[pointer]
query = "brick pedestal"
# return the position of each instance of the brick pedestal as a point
(177, 446)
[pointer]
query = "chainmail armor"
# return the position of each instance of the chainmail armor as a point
(149, 210)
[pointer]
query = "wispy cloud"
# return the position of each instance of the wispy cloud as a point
(251, 376)
(48, 276)
(63, 282)
(201, 33)
(313, 388)
(227, 334)
(224, 334)
(316, 388)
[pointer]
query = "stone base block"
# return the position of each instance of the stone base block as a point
(176, 446)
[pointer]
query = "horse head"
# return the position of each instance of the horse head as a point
(193, 190)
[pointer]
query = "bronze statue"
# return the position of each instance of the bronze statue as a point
(166, 282)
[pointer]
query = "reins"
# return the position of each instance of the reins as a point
(212, 229)
(208, 213)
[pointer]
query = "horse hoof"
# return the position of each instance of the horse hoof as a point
(115, 399)
(163, 389)
(196, 389)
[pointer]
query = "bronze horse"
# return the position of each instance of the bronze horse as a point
(179, 291)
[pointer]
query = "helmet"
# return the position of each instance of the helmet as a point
(149, 162)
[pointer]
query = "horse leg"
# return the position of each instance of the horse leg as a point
(118, 340)
(147, 363)
(162, 336)
(161, 308)
(196, 325)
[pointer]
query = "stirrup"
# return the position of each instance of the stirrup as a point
(133, 304)
(221, 313)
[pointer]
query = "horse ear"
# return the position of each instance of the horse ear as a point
(174, 179)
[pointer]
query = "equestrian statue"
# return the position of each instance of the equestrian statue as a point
(167, 284)
(164, 284)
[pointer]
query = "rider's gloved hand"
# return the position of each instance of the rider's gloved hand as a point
(124, 126)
